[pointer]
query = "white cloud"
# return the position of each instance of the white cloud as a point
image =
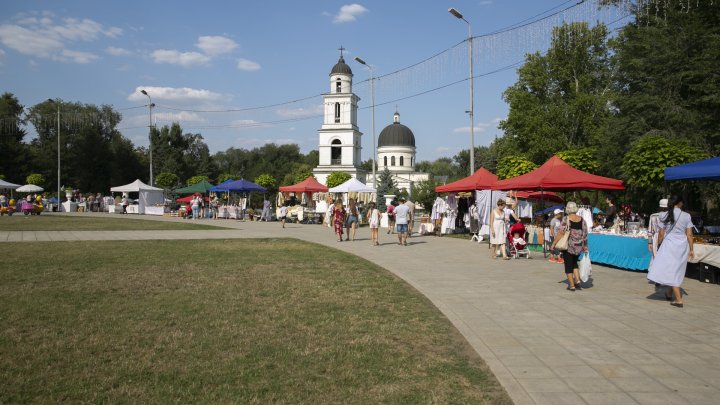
(177, 94)
(216, 45)
(115, 51)
(246, 64)
(349, 13)
(248, 124)
(182, 116)
(174, 57)
(300, 112)
(480, 127)
(40, 35)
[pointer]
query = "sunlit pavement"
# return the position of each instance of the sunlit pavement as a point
(614, 342)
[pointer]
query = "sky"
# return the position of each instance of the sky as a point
(246, 73)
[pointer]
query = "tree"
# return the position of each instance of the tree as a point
(337, 178)
(386, 185)
(196, 179)
(581, 159)
(266, 181)
(166, 180)
(513, 166)
(36, 179)
(561, 99)
(644, 165)
(424, 193)
(225, 177)
(13, 151)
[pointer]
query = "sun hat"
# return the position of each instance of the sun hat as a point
(571, 208)
(557, 211)
(663, 203)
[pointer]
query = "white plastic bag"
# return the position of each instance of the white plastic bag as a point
(585, 268)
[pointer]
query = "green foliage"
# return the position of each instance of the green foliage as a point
(337, 178)
(443, 166)
(36, 179)
(299, 173)
(424, 193)
(560, 100)
(167, 180)
(513, 166)
(644, 165)
(196, 179)
(386, 185)
(13, 152)
(266, 181)
(581, 159)
(224, 177)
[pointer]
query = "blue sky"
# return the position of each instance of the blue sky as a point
(197, 60)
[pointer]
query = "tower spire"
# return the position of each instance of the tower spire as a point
(341, 49)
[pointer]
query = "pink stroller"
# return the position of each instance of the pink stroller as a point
(517, 247)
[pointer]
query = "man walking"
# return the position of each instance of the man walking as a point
(411, 220)
(402, 217)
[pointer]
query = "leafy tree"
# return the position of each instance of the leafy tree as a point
(167, 180)
(561, 99)
(443, 166)
(36, 179)
(644, 165)
(225, 177)
(581, 159)
(484, 157)
(424, 193)
(337, 178)
(513, 166)
(266, 181)
(13, 151)
(196, 179)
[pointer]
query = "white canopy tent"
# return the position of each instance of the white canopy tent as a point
(4, 185)
(353, 186)
(148, 195)
(29, 188)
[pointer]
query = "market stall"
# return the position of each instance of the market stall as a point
(306, 188)
(622, 251)
(148, 196)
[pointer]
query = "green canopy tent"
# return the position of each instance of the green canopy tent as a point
(202, 187)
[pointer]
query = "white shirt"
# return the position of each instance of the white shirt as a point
(401, 214)
(283, 211)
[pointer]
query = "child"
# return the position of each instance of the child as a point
(283, 214)
(373, 217)
(518, 241)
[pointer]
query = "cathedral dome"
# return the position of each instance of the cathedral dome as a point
(396, 134)
(341, 68)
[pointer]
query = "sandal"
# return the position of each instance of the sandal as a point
(571, 289)
(677, 304)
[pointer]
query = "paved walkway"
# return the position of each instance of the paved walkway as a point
(615, 342)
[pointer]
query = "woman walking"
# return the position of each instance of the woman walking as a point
(675, 246)
(576, 244)
(498, 230)
(352, 220)
(339, 219)
(373, 217)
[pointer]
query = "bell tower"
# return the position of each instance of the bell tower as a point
(339, 140)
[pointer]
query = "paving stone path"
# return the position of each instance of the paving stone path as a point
(615, 342)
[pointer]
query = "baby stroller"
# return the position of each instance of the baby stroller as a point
(517, 248)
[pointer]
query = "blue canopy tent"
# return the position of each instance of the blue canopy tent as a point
(708, 169)
(222, 187)
(243, 186)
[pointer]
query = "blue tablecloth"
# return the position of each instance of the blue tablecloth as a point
(619, 251)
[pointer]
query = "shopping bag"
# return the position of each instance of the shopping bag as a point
(562, 243)
(585, 268)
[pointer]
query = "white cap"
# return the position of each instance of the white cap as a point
(663, 203)
(557, 211)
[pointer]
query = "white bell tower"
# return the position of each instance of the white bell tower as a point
(339, 137)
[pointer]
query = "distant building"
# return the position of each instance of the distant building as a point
(339, 137)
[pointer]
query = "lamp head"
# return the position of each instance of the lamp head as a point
(357, 58)
(454, 12)
(143, 92)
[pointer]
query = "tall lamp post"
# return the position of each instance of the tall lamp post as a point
(150, 107)
(58, 150)
(372, 101)
(457, 14)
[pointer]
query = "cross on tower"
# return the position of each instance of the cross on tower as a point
(341, 49)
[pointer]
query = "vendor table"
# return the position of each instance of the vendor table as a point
(619, 251)
(154, 210)
(705, 253)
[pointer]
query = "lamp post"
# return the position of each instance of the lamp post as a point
(58, 150)
(372, 114)
(457, 14)
(150, 107)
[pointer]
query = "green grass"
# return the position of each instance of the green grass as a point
(251, 321)
(91, 223)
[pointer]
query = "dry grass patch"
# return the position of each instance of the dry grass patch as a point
(252, 321)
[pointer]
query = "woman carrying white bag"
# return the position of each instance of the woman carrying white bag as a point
(572, 240)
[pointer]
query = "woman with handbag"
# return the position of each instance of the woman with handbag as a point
(572, 241)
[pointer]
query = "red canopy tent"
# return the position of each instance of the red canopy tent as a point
(309, 185)
(189, 199)
(482, 179)
(558, 176)
(536, 195)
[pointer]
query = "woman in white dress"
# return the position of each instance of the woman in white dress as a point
(675, 245)
(498, 230)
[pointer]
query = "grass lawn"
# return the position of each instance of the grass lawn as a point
(91, 223)
(230, 321)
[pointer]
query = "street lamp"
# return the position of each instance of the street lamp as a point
(472, 109)
(58, 147)
(372, 101)
(150, 107)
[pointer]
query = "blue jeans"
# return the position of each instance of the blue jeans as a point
(196, 212)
